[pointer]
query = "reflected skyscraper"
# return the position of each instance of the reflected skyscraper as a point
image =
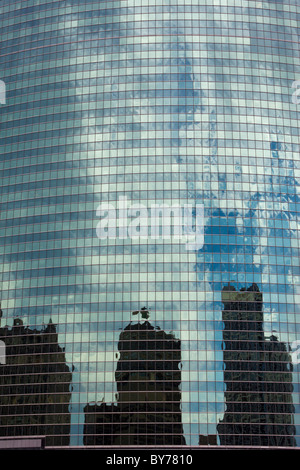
(258, 376)
(35, 385)
(148, 407)
(112, 108)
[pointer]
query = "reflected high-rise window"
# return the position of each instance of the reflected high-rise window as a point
(149, 156)
(147, 410)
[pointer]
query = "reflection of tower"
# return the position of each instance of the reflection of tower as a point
(259, 409)
(34, 385)
(148, 380)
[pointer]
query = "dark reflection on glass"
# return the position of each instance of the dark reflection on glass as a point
(148, 380)
(258, 376)
(35, 385)
(210, 440)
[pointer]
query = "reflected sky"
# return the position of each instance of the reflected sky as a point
(176, 103)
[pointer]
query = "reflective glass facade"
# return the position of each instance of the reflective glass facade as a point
(114, 332)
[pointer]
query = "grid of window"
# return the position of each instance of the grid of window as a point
(144, 340)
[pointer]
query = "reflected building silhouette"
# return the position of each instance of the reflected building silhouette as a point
(208, 440)
(258, 376)
(148, 378)
(35, 385)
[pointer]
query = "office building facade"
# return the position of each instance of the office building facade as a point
(149, 157)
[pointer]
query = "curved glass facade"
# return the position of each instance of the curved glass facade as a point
(149, 222)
